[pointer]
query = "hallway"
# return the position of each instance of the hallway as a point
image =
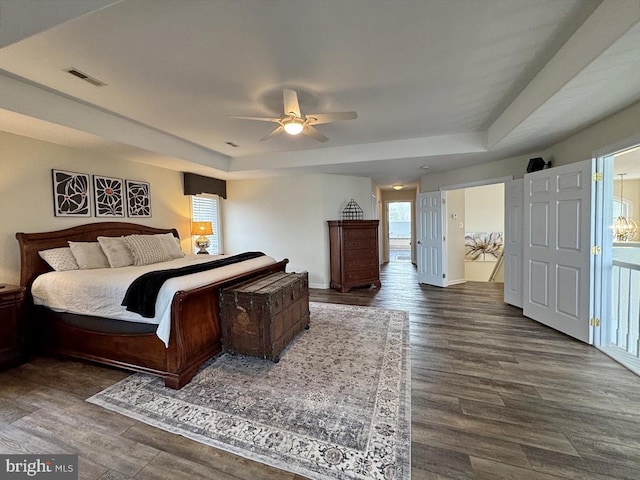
(496, 395)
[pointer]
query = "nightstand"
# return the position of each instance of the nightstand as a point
(11, 325)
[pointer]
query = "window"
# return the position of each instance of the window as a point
(206, 208)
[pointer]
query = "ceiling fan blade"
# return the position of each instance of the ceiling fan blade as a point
(277, 131)
(260, 119)
(319, 118)
(309, 131)
(291, 105)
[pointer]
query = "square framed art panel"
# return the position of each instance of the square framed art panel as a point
(138, 199)
(108, 196)
(71, 194)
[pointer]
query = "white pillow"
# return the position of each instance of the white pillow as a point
(60, 259)
(147, 249)
(89, 255)
(171, 245)
(117, 251)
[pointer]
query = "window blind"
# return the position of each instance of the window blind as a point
(206, 208)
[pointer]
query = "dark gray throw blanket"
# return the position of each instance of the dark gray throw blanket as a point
(142, 293)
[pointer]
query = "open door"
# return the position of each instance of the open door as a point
(559, 208)
(513, 251)
(430, 239)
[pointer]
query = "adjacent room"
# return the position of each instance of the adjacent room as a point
(350, 240)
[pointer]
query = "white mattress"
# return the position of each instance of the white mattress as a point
(99, 292)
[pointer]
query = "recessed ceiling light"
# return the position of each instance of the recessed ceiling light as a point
(425, 167)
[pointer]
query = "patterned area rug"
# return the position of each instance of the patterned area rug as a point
(336, 406)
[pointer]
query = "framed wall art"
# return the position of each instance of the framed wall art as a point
(71, 193)
(138, 199)
(483, 246)
(108, 195)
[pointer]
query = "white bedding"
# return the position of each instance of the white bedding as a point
(100, 291)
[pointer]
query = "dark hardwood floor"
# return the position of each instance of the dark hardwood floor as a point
(494, 396)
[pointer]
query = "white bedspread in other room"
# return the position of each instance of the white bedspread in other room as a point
(99, 292)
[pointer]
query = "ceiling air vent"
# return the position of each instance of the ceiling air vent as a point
(87, 78)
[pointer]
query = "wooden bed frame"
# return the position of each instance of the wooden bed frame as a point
(195, 314)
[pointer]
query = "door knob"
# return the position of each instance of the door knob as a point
(419, 242)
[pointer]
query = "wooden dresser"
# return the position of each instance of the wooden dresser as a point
(354, 254)
(11, 325)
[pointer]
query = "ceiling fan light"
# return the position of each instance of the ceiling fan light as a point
(293, 128)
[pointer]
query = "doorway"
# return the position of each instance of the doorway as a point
(619, 335)
(399, 231)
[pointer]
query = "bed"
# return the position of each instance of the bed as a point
(195, 331)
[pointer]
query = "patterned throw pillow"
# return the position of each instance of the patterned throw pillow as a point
(171, 245)
(89, 255)
(117, 251)
(60, 259)
(147, 249)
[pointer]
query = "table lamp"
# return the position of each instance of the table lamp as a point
(202, 229)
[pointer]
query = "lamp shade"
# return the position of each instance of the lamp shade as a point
(201, 228)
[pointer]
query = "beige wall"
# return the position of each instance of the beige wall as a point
(631, 194)
(26, 199)
(484, 212)
(285, 217)
(455, 228)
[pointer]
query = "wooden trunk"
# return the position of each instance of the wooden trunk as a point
(261, 317)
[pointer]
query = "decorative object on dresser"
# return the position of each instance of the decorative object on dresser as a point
(202, 229)
(354, 258)
(11, 325)
(195, 330)
(352, 211)
(336, 407)
(260, 317)
(70, 194)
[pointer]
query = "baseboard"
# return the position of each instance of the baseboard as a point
(456, 282)
(321, 286)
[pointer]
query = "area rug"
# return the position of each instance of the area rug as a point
(336, 406)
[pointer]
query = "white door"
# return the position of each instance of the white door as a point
(557, 255)
(513, 223)
(430, 239)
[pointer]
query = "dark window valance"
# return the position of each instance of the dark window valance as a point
(196, 184)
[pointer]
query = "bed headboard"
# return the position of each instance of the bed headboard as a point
(31, 265)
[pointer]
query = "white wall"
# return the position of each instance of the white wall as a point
(27, 200)
(285, 217)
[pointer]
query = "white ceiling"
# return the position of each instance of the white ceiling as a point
(437, 83)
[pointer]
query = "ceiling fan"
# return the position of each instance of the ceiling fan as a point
(293, 122)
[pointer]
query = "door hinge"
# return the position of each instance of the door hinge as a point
(444, 238)
(444, 275)
(597, 176)
(594, 322)
(596, 250)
